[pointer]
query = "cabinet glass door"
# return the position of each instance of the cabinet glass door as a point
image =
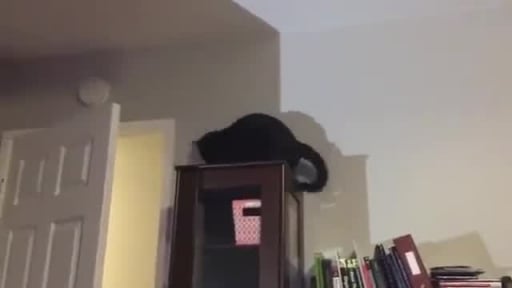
(228, 242)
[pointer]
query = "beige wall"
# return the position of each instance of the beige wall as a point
(413, 116)
(133, 234)
(418, 118)
(202, 85)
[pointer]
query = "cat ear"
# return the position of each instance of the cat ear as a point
(310, 155)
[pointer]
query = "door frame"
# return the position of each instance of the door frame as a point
(165, 127)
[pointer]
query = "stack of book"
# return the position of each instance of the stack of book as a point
(396, 266)
(460, 276)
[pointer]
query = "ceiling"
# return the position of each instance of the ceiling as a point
(326, 15)
(30, 28)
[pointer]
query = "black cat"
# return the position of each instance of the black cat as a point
(260, 137)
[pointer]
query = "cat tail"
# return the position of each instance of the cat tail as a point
(322, 175)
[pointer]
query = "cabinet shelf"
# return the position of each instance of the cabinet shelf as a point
(233, 246)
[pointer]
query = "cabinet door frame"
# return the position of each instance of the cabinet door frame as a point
(275, 182)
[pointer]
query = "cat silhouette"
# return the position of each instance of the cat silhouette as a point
(261, 137)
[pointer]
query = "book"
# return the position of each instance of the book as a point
(410, 256)
(358, 259)
(469, 283)
(352, 272)
(344, 273)
(340, 268)
(336, 278)
(380, 282)
(461, 276)
(398, 266)
(327, 273)
(367, 271)
(359, 275)
(382, 262)
(401, 267)
(397, 275)
(319, 271)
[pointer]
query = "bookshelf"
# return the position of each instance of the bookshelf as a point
(236, 226)
(398, 265)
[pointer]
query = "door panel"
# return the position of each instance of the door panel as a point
(56, 203)
(20, 243)
(63, 254)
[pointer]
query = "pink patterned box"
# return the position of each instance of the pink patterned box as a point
(247, 228)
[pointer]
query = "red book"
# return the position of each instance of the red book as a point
(470, 283)
(411, 259)
(367, 274)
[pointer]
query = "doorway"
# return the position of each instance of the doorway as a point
(135, 252)
(141, 196)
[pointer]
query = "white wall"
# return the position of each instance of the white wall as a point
(419, 107)
(200, 84)
(428, 101)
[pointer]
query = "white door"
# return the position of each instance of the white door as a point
(57, 196)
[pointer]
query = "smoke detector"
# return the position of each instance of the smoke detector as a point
(93, 91)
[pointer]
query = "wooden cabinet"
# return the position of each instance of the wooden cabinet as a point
(236, 226)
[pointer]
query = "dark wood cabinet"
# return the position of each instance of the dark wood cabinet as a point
(236, 226)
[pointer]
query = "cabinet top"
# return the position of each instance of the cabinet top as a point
(234, 165)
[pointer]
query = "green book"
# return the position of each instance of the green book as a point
(319, 271)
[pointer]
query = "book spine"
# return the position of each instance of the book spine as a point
(469, 284)
(340, 267)
(380, 282)
(409, 254)
(401, 267)
(312, 281)
(318, 271)
(395, 274)
(352, 274)
(357, 267)
(336, 282)
(384, 265)
(370, 282)
(344, 273)
(327, 273)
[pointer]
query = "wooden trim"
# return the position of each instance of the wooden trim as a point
(181, 274)
(271, 246)
(300, 198)
(222, 177)
(230, 166)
